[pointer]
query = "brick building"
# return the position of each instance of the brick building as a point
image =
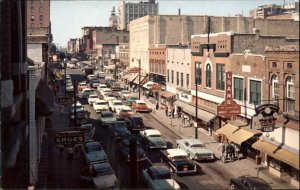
(38, 13)
(72, 46)
(87, 38)
(124, 54)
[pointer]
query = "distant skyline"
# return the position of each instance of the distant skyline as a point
(69, 16)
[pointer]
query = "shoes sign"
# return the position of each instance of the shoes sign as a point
(228, 107)
(69, 138)
(63, 100)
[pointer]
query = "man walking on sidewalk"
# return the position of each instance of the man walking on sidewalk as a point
(166, 110)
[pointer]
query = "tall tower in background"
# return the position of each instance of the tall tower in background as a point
(130, 11)
(113, 19)
(38, 13)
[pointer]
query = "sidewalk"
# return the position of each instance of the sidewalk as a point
(237, 168)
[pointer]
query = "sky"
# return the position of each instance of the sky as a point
(69, 16)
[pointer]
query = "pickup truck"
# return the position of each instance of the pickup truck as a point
(195, 149)
(178, 161)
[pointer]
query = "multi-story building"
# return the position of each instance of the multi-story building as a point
(72, 45)
(130, 11)
(124, 54)
(87, 38)
(279, 149)
(38, 13)
(174, 29)
(113, 19)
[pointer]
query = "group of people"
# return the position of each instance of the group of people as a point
(229, 151)
(170, 112)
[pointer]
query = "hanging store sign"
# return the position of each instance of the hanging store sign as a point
(266, 117)
(228, 107)
(69, 138)
(156, 87)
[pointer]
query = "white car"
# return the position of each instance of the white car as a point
(89, 77)
(104, 91)
(100, 87)
(115, 105)
(124, 93)
(124, 109)
(109, 97)
(92, 98)
(100, 105)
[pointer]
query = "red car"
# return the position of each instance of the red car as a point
(139, 105)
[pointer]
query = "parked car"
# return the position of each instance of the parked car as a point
(249, 182)
(86, 92)
(100, 87)
(92, 98)
(106, 118)
(195, 149)
(94, 83)
(140, 106)
(124, 112)
(91, 146)
(152, 138)
(115, 105)
(100, 176)
(124, 147)
(118, 130)
(89, 131)
(178, 161)
(109, 97)
(159, 178)
(81, 117)
(78, 108)
(90, 77)
(130, 98)
(135, 123)
(101, 75)
(100, 105)
(69, 88)
(82, 85)
(124, 93)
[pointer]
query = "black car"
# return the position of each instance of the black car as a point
(81, 117)
(89, 131)
(249, 182)
(135, 123)
(92, 146)
(119, 131)
(94, 81)
(124, 146)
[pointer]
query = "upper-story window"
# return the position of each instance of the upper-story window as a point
(168, 75)
(181, 79)
(255, 92)
(32, 9)
(32, 17)
(198, 73)
(220, 76)
(290, 101)
(238, 89)
(187, 80)
(208, 75)
(172, 77)
(41, 17)
(41, 9)
(177, 78)
(275, 90)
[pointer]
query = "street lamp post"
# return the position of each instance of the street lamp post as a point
(139, 60)
(196, 108)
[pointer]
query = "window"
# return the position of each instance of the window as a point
(32, 9)
(41, 17)
(32, 25)
(274, 64)
(181, 79)
(238, 89)
(32, 17)
(275, 90)
(289, 65)
(187, 80)
(41, 1)
(290, 101)
(177, 78)
(255, 92)
(172, 76)
(41, 9)
(208, 75)
(168, 75)
(220, 76)
(198, 73)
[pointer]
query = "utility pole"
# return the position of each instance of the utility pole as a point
(196, 108)
(139, 78)
(65, 64)
(75, 90)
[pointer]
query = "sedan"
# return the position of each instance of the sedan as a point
(94, 83)
(82, 85)
(115, 105)
(91, 146)
(129, 99)
(153, 139)
(89, 131)
(109, 97)
(119, 130)
(92, 98)
(123, 94)
(249, 182)
(124, 112)
(135, 123)
(106, 118)
(100, 105)
(125, 150)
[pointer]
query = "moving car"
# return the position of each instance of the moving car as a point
(92, 98)
(100, 87)
(124, 112)
(100, 176)
(115, 105)
(249, 182)
(178, 161)
(135, 123)
(100, 105)
(101, 75)
(90, 77)
(118, 130)
(195, 149)
(116, 86)
(89, 131)
(109, 97)
(106, 118)
(86, 92)
(159, 178)
(152, 138)
(124, 93)
(130, 98)
(124, 147)
(82, 85)
(140, 106)
(94, 83)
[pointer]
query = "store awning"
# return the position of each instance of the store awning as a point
(131, 78)
(235, 134)
(278, 153)
(167, 94)
(144, 79)
(148, 85)
(190, 109)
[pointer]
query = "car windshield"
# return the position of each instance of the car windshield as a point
(197, 145)
(93, 149)
(126, 111)
(100, 103)
(87, 91)
(133, 98)
(141, 104)
(110, 95)
(86, 127)
(163, 176)
(107, 115)
(179, 158)
(94, 96)
(102, 172)
(153, 136)
(120, 125)
(118, 104)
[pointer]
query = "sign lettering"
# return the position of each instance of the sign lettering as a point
(266, 117)
(69, 138)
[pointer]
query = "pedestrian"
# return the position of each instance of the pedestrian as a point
(236, 151)
(166, 110)
(70, 152)
(221, 147)
(61, 149)
(172, 112)
(157, 105)
(183, 119)
(230, 151)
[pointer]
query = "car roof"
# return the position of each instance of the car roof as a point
(113, 101)
(106, 112)
(93, 143)
(152, 132)
(102, 101)
(139, 101)
(193, 141)
(159, 170)
(176, 152)
(256, 181)
(102, 166)
(95, 156)
(85, 89)
(126, 108)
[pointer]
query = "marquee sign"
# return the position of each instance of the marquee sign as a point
(228, 107)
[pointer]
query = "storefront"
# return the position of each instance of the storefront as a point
(167, 98)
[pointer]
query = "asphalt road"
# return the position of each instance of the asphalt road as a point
(211, 176)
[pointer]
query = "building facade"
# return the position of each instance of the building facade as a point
(87, 37)
(167, 29)
(72, 46)
(38, 13)
(113, 19)
(130, 11)
(124, 54)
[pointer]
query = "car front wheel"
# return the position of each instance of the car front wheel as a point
(233, 187)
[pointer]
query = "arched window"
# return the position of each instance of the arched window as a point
(208, 75)
(275, 90)
(290, 100)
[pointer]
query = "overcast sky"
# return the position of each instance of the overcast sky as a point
(69, 16)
